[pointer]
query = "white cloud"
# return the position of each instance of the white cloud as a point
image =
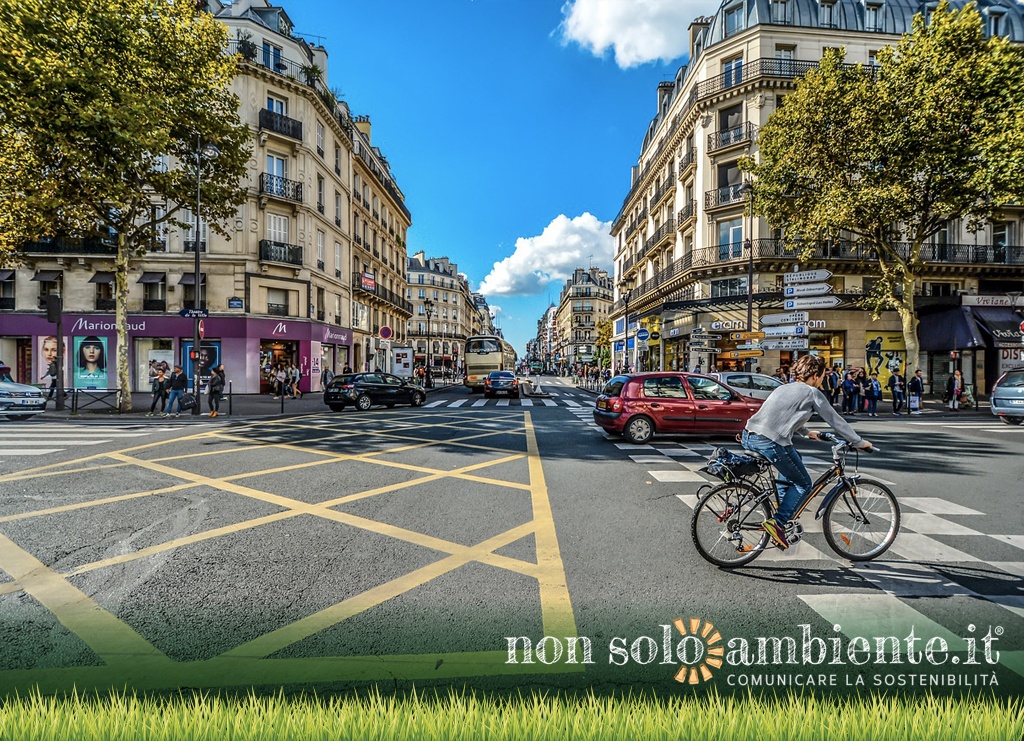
(639, 31)
(564, 245)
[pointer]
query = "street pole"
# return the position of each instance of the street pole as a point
(748, 190)
(428, 373)
(207, 152)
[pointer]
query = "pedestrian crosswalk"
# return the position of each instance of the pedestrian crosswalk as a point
(561, 398)
(32, 439)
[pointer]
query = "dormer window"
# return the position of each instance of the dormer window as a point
(733, 20)
(873, 18)
(782, 12)
(996, 23)
(827, 15)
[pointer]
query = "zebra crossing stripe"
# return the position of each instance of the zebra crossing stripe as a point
(549, 402)
(43, 451)
(458, 403)
(71, 442)
(571, 403)
(503, 402)
(526, 402)
(480, 402)
(435, 404)
(917, 547)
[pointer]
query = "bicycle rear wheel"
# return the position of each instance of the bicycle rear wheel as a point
(726, 524)
(862, 521)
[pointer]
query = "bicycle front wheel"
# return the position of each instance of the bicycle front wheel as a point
(862, 521)
(726, 524)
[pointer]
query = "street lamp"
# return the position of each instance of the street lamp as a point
(428, 309)
(208, 152)
(747, 190)
(626, 286)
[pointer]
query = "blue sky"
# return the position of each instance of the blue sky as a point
(510, 125)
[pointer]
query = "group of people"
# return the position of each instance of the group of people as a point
(284, 380)
(168, 391)
(858, 392)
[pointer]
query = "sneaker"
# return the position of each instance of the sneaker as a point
(778, 534)
(165, 414)
(276, 398)
(149, 414)
(176, 414)
(213, 414)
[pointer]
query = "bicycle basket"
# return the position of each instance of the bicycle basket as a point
(729, 466)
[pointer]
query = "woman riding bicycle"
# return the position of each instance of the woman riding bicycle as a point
(770, 432)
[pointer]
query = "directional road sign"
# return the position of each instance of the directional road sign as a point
(806, 276)
(813, 302)
(797, 344)
(704, 336)
(747, 335)
(749, 346)
(643, 334)
(793, 317)
(745, 354)
(807, 289)
(786, 330)
(194, 313)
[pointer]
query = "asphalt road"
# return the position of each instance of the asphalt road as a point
(407, 546)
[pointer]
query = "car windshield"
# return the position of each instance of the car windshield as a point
(342, 380)
(501, 374)
(1013, 379)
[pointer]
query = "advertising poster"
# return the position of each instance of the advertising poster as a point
(47, 353)
(209, 358)
(160, 360)
(885, 353)
(91, 369)
(403, 362)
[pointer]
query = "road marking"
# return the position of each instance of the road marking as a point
(503, 402)
(458, 403)
(1010, 567)
(926, 522)
(66, 442)
(630, 446)
(678, 452)
(676, 476)
(549, 402)
(1014, 540)
(34, 451)
(479, 402)
(938, 506)
(435, 404)
(651, 459)
(917, 547)
(571, 403)
(526, 402)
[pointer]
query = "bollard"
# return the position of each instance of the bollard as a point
(230, 398)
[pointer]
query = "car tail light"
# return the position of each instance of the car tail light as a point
(347, 386)
(615, 404)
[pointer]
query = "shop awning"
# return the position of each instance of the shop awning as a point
(153, 278)
(102, 276)
(953, 329)
(189, 279)
(6, 274)
(47, 276)
(1001, 323)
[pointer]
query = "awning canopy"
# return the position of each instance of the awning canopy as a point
(154, 277)
(102, 276)
(189, 279)
(953, 329)
(1001, 323)
(47, 276)
(6, 274)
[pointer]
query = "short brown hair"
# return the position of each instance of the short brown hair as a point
(809, 366)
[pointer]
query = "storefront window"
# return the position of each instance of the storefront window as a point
(831, 346)
(151, 354)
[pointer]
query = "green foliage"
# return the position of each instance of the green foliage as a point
(603, 343)
(93, 94)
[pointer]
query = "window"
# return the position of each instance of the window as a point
(320, 248)
(190, 232)
(337, 208)
(730, 240)
(733, 20)
(423, 293)
(337, 256)
(1004, 234)
(996, 27)
(337, 159)
(940, 289)
(784, 60)
(707, 390)
(277, 228)
(827, 15)
(872, 18)
(272, 57)
(729, 287)
(872, 58)
(782, 12)
(670, 387)
(732, 71)
(277, 105)
(277, 301)
(277, 166)
(320, 138)
(319, 194)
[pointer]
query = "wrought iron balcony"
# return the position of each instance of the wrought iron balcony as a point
(190, 245)
(277, 309)
(154, 304)
(271, 251)
(280, 124)
(7, 303)
(382, 293)
(319, 264)
(279, 187)
(72, 246)
(687, 212)
(687, 160)
(725, 196)
(742, 134)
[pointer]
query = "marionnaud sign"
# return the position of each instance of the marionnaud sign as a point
(807, 289)
(796, 344)
(643, 334)
(788, 330)
(793, 317)
(815, 302)
(806, 276)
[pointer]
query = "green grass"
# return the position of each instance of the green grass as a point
(464, 716)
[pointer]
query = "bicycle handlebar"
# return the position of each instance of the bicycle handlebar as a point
(828, 437)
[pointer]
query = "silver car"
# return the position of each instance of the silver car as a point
(1007, 398)
(17, 400)
(756, 385)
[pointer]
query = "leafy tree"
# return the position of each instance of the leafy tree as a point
(887, 156)
(603, 343)
(102, 106)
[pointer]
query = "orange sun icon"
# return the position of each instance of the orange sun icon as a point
(699, 650)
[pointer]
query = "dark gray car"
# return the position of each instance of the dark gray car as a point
(1007, 397)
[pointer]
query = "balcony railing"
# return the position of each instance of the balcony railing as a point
(382, 293)
(277, 309)
(154, 304)
(69, 246)
(190, 245)
(271, 251)
(665, 230)
(744, 133)
(687, 212)
(279, 187)
(280, 124)
(320, 265)
(7, 303)
(690, 158)
(724, 196)
(105, 304)
(664, 189)
(321, 208)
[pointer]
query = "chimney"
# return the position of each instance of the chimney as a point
(699, 26)
(363, 125)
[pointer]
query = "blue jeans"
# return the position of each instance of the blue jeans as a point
(174, 396)
(794, 483)
(872, 405)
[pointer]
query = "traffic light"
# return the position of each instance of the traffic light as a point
(54, 306)
(953, 355)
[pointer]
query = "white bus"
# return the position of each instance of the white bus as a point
(484, 354)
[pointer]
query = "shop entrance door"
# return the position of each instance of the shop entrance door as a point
(274, 353)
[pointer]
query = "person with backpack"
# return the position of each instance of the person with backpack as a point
(830, 385)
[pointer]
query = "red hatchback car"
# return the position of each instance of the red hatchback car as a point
(644, 404)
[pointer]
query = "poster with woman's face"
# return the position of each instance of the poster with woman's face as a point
(48, 354)
(91, 363)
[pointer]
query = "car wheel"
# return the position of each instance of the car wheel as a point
(1012, 420)
(337, 407)
(639, 430)
(418, 399)
(363, 403)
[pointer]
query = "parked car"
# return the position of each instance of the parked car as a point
(501, 382)
(17, 400)
(638, 406)
(1007, 397)
(757, 385)
(363, 390)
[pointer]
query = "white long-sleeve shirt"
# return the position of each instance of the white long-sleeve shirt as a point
(786, 410)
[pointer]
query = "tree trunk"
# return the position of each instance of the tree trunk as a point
(908, 320)
(121, 322)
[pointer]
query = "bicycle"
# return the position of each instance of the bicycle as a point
(861, 516)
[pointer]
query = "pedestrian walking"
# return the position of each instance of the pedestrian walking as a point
(863, 385)
(916, 389)
(897, 386)
(158, 388)
(849, 389)
(215, 390)
(954, 391)
(177, 386)
(51, 373)
(347, 368)
(325, 378)
(295, 375)
(874, 393)
(280, 382)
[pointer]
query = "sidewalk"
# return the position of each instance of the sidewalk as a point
(241, 406)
